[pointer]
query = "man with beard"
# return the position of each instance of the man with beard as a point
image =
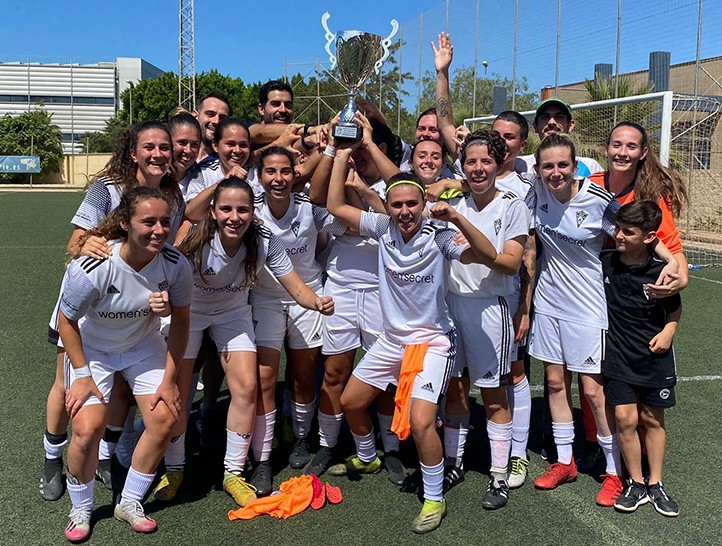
(210, 109)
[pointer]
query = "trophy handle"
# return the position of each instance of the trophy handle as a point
(330, 37)
(386, 43)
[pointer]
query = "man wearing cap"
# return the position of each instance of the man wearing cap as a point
(554, 116)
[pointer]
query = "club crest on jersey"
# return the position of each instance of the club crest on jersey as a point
(544, 207)
(294, 227)
(581, 216)
(163, 285)
(208, 272)
(497, 226)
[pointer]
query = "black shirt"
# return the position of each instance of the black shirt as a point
(633, 321)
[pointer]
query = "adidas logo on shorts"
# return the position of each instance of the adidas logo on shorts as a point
(113, 290)
(208, 272)
(316, 336)
(427, 387)
(590, 362)
(488, 375)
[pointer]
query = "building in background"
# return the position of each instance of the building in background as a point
(80, 97)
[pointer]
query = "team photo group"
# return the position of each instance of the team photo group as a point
(395, 278)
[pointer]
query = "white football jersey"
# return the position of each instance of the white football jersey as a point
(569, 281)
(353, 261)
(585, 165)
(505, 218)
(220, 285)
(210, 171)
(413, 278)
(103, 197)
(296, 232)
(111, 298)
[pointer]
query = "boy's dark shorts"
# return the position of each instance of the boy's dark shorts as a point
(618, 393)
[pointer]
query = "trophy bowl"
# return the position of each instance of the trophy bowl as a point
(357, 55)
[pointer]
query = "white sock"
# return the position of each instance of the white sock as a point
(136, 485)
(262, 438)
(365, 446)
(237, 445)
(520, 406)
(54, 450)
(500, 443)
(388, 438)
(329, 427)
(563, 438)
(81, 494)
(302, 415)
(610, 446)
(109, 441)
(456, 428)
(175, 454)
(433, 478)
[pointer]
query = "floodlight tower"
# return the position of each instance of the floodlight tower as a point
(186, 57)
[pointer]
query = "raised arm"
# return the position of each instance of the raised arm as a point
(336, 202)
(386, 167)
(443, 54)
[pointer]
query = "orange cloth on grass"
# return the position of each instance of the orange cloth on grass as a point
(411, 364)
(294, 497)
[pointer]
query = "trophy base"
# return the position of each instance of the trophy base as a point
(347, 132)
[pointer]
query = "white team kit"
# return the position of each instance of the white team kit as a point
(221, 291)
(413, 281)
(483, 301)
(275, 314)
(353, 283)
(118, 329)
(570, 306)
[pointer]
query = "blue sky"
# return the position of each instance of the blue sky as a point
(251, 39)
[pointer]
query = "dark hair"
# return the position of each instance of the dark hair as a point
(406, 177)
(192, 245)
(515, 117)
(382, 134)
(643, 213)
(272, 85)
(110, 227)
(229, 122)
(121, 168)
(495, 145)
(440, 144)
(274, 150)
(559, 140)
(425, 113)
(184, 119)
(653, 180)
(214, 95)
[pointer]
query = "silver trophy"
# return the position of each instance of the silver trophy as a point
(357, 54)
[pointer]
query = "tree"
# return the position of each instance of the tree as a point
(107, 140)
(36, 127)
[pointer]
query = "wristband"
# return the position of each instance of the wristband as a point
(82, 372)
(330, 151)
(303, 137)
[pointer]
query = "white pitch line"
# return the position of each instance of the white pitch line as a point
(705, 279)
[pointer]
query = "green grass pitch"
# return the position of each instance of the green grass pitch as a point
(35, 230)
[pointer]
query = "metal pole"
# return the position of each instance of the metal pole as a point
(693, 145)
(32, 148)
(516, 49)
(72, 109)
(421, 55)
(619, 49)
(476, 60)
(559, 33)
(318, 90)
(285, 73)
(381, 82)
(398, 90)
